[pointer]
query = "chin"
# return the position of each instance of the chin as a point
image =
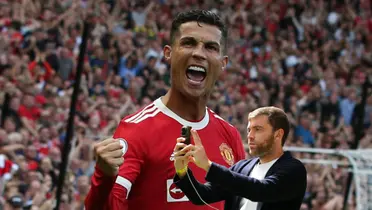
(255, 155)
(195, 93)
(252, 153)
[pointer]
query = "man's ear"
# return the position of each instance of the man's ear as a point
(225, 61)
(167, 51)
(279, 134)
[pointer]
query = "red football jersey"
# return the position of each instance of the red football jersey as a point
(145, 180)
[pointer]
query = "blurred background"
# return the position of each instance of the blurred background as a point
(309, 57)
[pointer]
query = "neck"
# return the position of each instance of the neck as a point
(274, 154)
(186, 108)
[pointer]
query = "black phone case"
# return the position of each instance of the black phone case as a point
(185, 133)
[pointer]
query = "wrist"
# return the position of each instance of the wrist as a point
(181, 172)
(208, 166)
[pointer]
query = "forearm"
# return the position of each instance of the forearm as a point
(207, 192)
(101, 187)
(259, 190)
(28, 126)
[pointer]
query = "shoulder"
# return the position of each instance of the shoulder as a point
(140, 120)
(219, 121)
(292, 164)
(142, 115)
(299, 165)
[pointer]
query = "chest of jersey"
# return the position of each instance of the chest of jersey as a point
(161, 147)
(157, 172)
(160, 160)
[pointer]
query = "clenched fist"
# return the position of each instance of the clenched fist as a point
(109, 155)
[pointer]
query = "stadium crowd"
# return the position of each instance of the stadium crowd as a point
(309, 57)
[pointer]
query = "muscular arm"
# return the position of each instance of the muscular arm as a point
(111, 193)
(105, 193)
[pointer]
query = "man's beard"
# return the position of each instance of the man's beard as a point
(264, 148)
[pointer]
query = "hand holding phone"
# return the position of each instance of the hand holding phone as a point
(180, 163)
(185, 133)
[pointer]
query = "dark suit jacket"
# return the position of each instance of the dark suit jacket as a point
(282, 189)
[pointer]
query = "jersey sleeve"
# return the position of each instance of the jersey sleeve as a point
(111, 193)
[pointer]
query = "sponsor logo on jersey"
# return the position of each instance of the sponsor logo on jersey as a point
(175, 194)
(227, 154)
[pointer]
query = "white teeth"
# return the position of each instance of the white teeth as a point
(197, 68)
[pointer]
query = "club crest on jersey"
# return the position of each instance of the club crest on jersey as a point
(227, 154)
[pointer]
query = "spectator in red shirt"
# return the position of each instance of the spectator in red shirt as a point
(40, 70)
(28, 109)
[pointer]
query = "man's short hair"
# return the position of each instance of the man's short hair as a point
(200, 16)
(277, 119)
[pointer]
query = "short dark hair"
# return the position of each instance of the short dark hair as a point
(200, 16)
(277, 119)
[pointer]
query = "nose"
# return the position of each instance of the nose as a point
(250, 136)
(199, 52)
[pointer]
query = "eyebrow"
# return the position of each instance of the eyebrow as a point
(190, 38)
(256, 126)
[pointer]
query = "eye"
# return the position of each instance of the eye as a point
(188, 43)
(212, 47)
(258, 129)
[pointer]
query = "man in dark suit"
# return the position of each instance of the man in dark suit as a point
(274, 180)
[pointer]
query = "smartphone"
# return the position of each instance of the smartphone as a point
(185, 133)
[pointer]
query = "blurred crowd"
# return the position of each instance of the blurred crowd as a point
(309, 57)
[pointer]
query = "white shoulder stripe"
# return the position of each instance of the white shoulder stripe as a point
(218, 117)
(125, 183)
(141, 113)
(140, 119)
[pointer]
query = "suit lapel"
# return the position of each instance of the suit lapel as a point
(246, 170)
(259, 206)
(286, 155)
(272, 169)
(249, 167)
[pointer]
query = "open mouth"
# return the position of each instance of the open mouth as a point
(196, 73)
